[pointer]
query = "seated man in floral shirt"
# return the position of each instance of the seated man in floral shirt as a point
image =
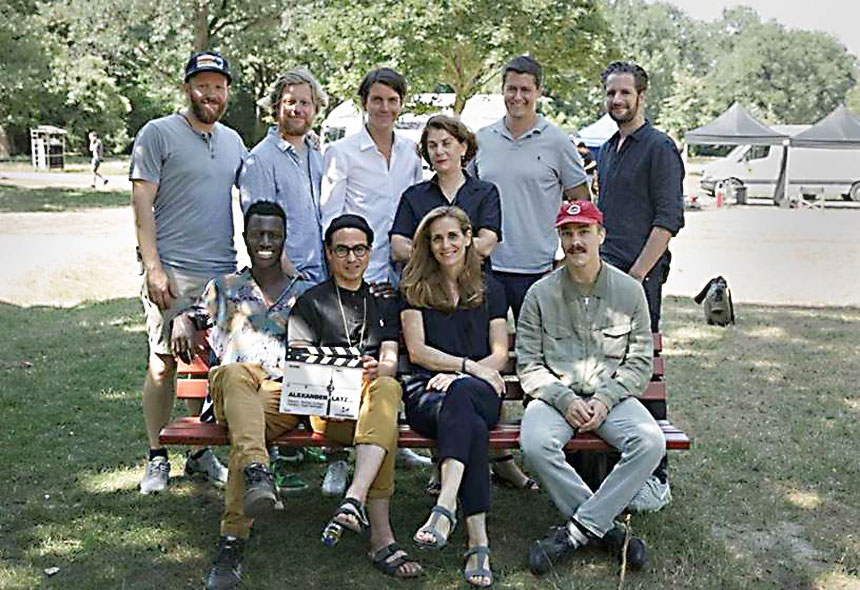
(246, 314)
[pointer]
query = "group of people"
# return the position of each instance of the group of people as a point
(351, 248)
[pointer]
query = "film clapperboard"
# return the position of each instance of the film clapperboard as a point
(322, 381)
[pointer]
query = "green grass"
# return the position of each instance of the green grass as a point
(17, 199)
(767, 497)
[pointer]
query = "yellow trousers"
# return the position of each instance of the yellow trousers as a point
(247, 402)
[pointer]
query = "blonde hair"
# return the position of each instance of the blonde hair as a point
(422, 283)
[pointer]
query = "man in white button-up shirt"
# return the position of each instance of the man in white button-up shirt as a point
(366, 173)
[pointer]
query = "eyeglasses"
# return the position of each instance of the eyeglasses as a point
(360, 251)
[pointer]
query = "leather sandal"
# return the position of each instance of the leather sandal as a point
(440, 540)
(382, 561)
(482, 551)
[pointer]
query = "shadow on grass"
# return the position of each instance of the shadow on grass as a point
(17, 199)
(759, 501)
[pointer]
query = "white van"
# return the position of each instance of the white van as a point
(479, 111)
(835, 172)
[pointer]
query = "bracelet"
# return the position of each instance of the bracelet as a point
(463, 364)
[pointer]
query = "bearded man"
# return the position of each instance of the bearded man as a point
(286, 168)
(183, 169)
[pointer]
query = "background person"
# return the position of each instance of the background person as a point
(183, 168)
(455, 331)
(96, 149)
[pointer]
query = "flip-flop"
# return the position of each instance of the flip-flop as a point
(481, 570)
(380, 561)
(430, 528)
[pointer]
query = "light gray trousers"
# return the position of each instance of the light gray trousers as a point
(628, 427)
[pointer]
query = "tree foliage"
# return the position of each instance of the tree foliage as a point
(699, 69)
(111, 65)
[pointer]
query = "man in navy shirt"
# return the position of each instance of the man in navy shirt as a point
(640, 175)
(641, 186)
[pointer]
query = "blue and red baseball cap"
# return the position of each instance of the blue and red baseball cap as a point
(207, 61)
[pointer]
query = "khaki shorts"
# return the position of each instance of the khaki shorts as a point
(188, 288)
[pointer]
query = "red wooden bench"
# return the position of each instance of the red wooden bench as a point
(192, 382)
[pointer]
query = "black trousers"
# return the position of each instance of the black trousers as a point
(460, 421)
(516, 285)
(653, 285)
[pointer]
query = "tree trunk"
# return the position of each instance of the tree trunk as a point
(201, 25)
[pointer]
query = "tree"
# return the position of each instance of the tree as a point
(462, 44)
(790, 76)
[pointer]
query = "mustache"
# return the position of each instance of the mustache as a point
(576, 250)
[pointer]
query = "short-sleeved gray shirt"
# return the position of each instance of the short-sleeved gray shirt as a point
(531, 173)
(195, 174)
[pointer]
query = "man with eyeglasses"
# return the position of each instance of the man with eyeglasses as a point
(343, 311)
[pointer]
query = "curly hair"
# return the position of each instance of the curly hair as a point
(457, 129)
(640, 76)
(422, 283)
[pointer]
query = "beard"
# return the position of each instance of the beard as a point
(629, 115)
(205, 115)
(293, 127)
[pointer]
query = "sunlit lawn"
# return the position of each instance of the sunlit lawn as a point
(767, 497)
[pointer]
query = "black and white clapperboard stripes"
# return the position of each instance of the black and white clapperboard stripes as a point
(322, 381)
(339, 356)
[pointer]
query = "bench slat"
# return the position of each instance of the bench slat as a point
(196, 389)
(190, 431)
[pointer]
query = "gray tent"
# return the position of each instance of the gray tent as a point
(838, 130)
(735, 127)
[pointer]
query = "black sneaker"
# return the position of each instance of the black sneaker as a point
(637, 554)
(260, 497)
(557, 545)
(226, 572)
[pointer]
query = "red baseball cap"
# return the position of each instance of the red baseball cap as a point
(578, 212)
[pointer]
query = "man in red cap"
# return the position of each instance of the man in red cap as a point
(584, 357)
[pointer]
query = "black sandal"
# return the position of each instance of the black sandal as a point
(349, 507)
(392, 568)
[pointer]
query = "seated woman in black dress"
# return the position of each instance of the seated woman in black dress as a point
(454, 327)
(448, 146)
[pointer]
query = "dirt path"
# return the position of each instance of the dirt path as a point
(768, 255)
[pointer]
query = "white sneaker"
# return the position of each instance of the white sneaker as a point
(207, 467)
(156, 476)
(412, 460)
(652, 496)
(336, 476)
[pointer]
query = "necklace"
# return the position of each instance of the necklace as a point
(346, 326)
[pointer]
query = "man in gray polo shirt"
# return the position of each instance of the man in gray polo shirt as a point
(535, 165)
(183, 168)
(286, 168)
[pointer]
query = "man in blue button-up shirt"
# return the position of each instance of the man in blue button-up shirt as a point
(286, 167)
(641, 179)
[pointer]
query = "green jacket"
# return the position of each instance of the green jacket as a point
(569, 344)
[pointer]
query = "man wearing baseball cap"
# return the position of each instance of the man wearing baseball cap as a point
(583, 357)
(183, 167)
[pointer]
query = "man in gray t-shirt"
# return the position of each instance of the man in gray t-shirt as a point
(535, 165)
(183, 168)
